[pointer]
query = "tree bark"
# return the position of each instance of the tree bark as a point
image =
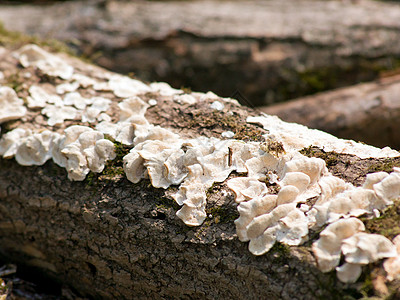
(367, 112)
(109, 238)
(269, 51)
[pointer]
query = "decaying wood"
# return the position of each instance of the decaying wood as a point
(268, 50)
(367, 112)
(109, 238)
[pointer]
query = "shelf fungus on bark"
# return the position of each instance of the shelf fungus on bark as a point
(11, 107)
(345, 237)
(266, 218)
(362, 249)
(37, 148)
(39, 98)
(392, 265)
(82, 150)
(327, 248)
(339, 199)
(32, 55)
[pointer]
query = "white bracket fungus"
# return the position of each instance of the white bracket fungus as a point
(125, 87)
(185, 99)
(248, 210)
(327, 248)
(36, 149)
(247, 188)
(362, 249)
(10, 141)
(75, 99)
(57, 114)
(132, 107)
(392, 265)
(67, 87)
(11, 107)
(228, 134)
(358, 248)
(296, 137)
(339, 199)
(39, 98)
(152, 102)
(217, 105)
(98, 105)
(285, 224)
(82, 150)
(164, 89)
(32, 55)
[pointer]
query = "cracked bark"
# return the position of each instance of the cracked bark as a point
(269, 51)
(114, 239)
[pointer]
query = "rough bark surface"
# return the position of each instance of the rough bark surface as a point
(366, 112)
(268, 50)
(112, 239)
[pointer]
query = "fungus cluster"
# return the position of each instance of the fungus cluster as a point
(340, 200)
(193, 165)
(346, 237)
(266, 218)
(11, 107)
(32, 55)
(79, 150)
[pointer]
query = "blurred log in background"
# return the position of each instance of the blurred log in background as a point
(270, 51)
(259, 52)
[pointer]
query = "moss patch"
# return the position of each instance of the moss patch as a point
(222, 214)
(15, 40)
(200, 119)
(350, 167)
(387, 224)
(220, 120)
(114, 168)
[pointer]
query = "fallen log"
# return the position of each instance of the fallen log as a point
(114, 223)
(368, 112)
(268, 51)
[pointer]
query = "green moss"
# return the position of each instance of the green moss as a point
(15, 81)
(387, 224)
(317, 80)
(17, 39)
(222, 214)
(330, 158)
(282, 249)
(217, 119)
(90, 179)
(367, 288)
(166, 203)
(114, 168)
(186, 90)
(294, 83)
(385, 166)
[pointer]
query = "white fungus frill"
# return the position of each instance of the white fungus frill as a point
(345, 237)
(267, 218)
(32, 55)
(10, 141)
(339, 199)
(125, 87)
(58, 114)
(11, 107)
(82, 150)
(327, 249)
(392, 265)
(37, 148)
